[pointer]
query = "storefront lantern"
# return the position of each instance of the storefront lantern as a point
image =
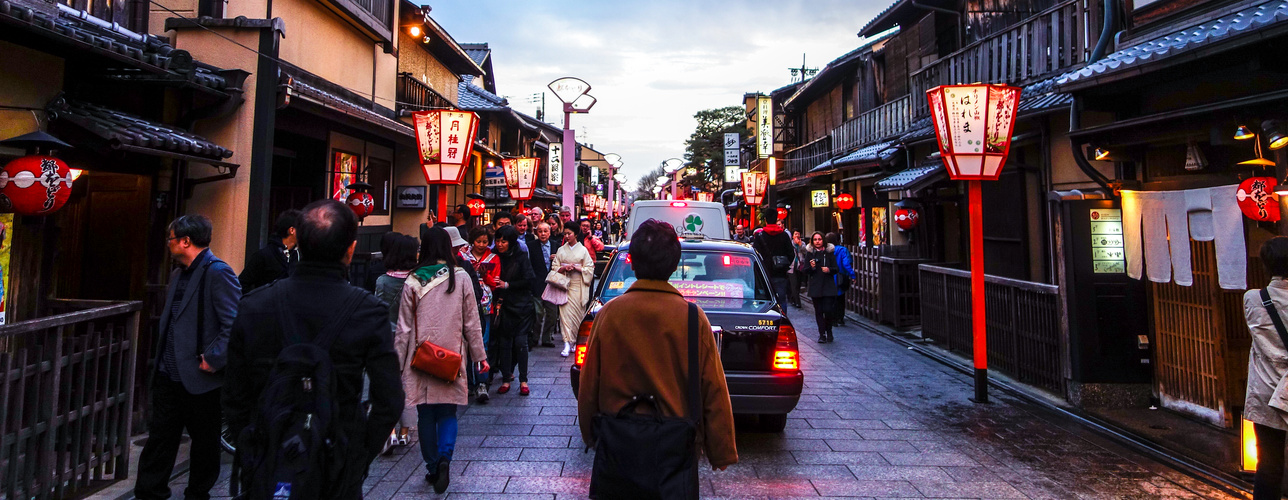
(973, 124)
(445, 139)
(476, 206)
(705, 196)
(520, 177)
(587, 201)
(907, 218)
(754, 185)
(782, 213)
(35, 185)
(844, 201)
(1257, 198)
(360, 201)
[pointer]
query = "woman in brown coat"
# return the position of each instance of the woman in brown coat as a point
(438, 305)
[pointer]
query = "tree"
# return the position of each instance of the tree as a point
(646, 184)
(704, 149)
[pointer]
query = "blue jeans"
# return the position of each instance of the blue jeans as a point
(436, 426)
(482, 377)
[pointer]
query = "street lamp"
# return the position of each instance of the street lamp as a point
(573, 93)
(444, 140)
(614, 162)
(672, 167)
(520, 178)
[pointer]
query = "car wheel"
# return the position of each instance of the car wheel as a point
(773, 422)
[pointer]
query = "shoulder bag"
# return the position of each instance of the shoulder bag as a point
(645, 456)
(434, 360)
(558, 279)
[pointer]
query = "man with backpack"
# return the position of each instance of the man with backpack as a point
(774, 246)
(295, 362)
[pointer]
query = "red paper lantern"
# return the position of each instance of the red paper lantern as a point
(476, 206)
(445, 140)
(753, 186)
(1257, 198)
(520, 177)
(973, 124)
(782, 214)
(35, 185)
(907, 218)
(361, 203)
(844, 201)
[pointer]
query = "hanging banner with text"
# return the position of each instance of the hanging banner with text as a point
(554, 177)
(764, 127)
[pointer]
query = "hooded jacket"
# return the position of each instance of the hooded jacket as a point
(821, 284)
(772, 242)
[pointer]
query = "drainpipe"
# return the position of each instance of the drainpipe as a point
(1075, 109)
(958, 15)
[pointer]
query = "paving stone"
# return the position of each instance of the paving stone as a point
(802, 471)
(871, 445)
(928, 458)
(514, 468)
(839, 458)
(969, 490)
(853, 487)
(762, 488)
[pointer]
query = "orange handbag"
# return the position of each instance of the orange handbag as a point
(437, 361)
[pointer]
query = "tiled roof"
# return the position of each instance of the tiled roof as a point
(1243, 23)
(1040, 97)
(350, 108)
(76, 31)
(477, 51)
(919, 130)
(471, 97)
(124, 129)
(911, 177)
(544, 194)
(876, 153)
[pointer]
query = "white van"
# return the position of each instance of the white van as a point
(706, 218)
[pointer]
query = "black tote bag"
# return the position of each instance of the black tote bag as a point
(643, 456)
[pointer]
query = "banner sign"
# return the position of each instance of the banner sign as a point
(764, 127)
(555, 161)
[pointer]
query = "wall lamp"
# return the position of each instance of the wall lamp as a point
(1275, 136)
(1101, 153)
(415, 31)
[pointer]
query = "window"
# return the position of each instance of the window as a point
(378, 171)
(719, 281)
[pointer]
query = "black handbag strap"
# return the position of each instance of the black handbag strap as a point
(694, 376)
(201, 306)
(1274, 316)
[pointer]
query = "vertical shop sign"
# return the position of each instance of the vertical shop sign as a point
(554, 175)
(764, 127)
(878, 226)
(6, 240)
(1107, 256)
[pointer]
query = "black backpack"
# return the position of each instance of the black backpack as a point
(640, 456)
(294, 447)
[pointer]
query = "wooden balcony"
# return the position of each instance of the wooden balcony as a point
(883, 122)
(799, 161)
(66, 393)
(1053, 41)
(415, 95)
(1023, 323)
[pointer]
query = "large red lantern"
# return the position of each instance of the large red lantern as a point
(973, 124)
(1257, 198)
(359, 200)
(35, 185)
(445, 139)
(844, 201)
(906, 218)
(520, 177)
(782, 214)
(476, 206)
(753, 187)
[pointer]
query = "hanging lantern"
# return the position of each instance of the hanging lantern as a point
(445, 139)
(360, 201)
(35, 185)
(753, 187)
(476, 206)
(782, 214)
(1257, 198)
(520, 177)
(906, 218)
(705, 196)
(844, 201)
(973, 124)
(587, 200)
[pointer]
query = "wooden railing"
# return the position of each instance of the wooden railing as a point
(414, 95)
(887, 288)
(1023, 323)
(864, 296)
(800, 160)
(66, 389)
(882, 122)
(1055, 40)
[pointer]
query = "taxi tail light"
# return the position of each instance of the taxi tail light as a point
(679, 204)
(786, 354)
(583, 335)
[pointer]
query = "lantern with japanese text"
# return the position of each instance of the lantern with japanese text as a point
(753, 187)
(35, 185)
(588, 201)
(704, 196)
(520, 178)
(1257, 198)
(906, 218)
(844, 201)
(973, 124)
(782, 213)
(476, 206)
(445, 143)
(360, 201)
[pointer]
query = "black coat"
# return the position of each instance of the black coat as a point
(540, 266)
(265, 266)
(310, 299)
(517, 312)
(821, 284)
(777, 243)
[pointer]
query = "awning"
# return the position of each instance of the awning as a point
(130, 133)
(349, 108)
(873, 155)
(544, 194)
(915, 178)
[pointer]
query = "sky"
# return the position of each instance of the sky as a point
(651, 64)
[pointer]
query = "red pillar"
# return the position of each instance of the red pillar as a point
(442, 202)
(978, 323)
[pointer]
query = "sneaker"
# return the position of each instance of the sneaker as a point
(482, 395)
(566, 349)
(444, 476)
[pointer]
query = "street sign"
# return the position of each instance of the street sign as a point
(554, 162)
(731, 141)
(732, 158)
(764, 127)
(733, 174)
(594, 175)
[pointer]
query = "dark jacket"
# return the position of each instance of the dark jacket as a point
(540, 265)
(821, 284)
(774, 241)
(265, 266)
(516, 312)
(310, 298)
(220, 308)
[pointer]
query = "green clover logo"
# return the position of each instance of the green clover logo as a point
(693, 223)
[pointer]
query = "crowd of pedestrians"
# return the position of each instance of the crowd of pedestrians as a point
(821, 264)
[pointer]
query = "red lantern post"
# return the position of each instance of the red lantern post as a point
(973, 125)
(445, 140)
(844, 201)
(520, 178)
(754, 185)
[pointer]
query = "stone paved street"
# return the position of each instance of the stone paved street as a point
(876, 420)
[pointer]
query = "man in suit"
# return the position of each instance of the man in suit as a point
(540, 248)
(191, 352)
(310, 298)
(277, 259)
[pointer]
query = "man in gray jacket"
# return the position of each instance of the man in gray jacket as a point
(192, 349)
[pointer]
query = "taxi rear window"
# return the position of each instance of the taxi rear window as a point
(713, 280)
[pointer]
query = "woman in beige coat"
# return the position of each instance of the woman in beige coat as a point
(575, 261)
(438, 305)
